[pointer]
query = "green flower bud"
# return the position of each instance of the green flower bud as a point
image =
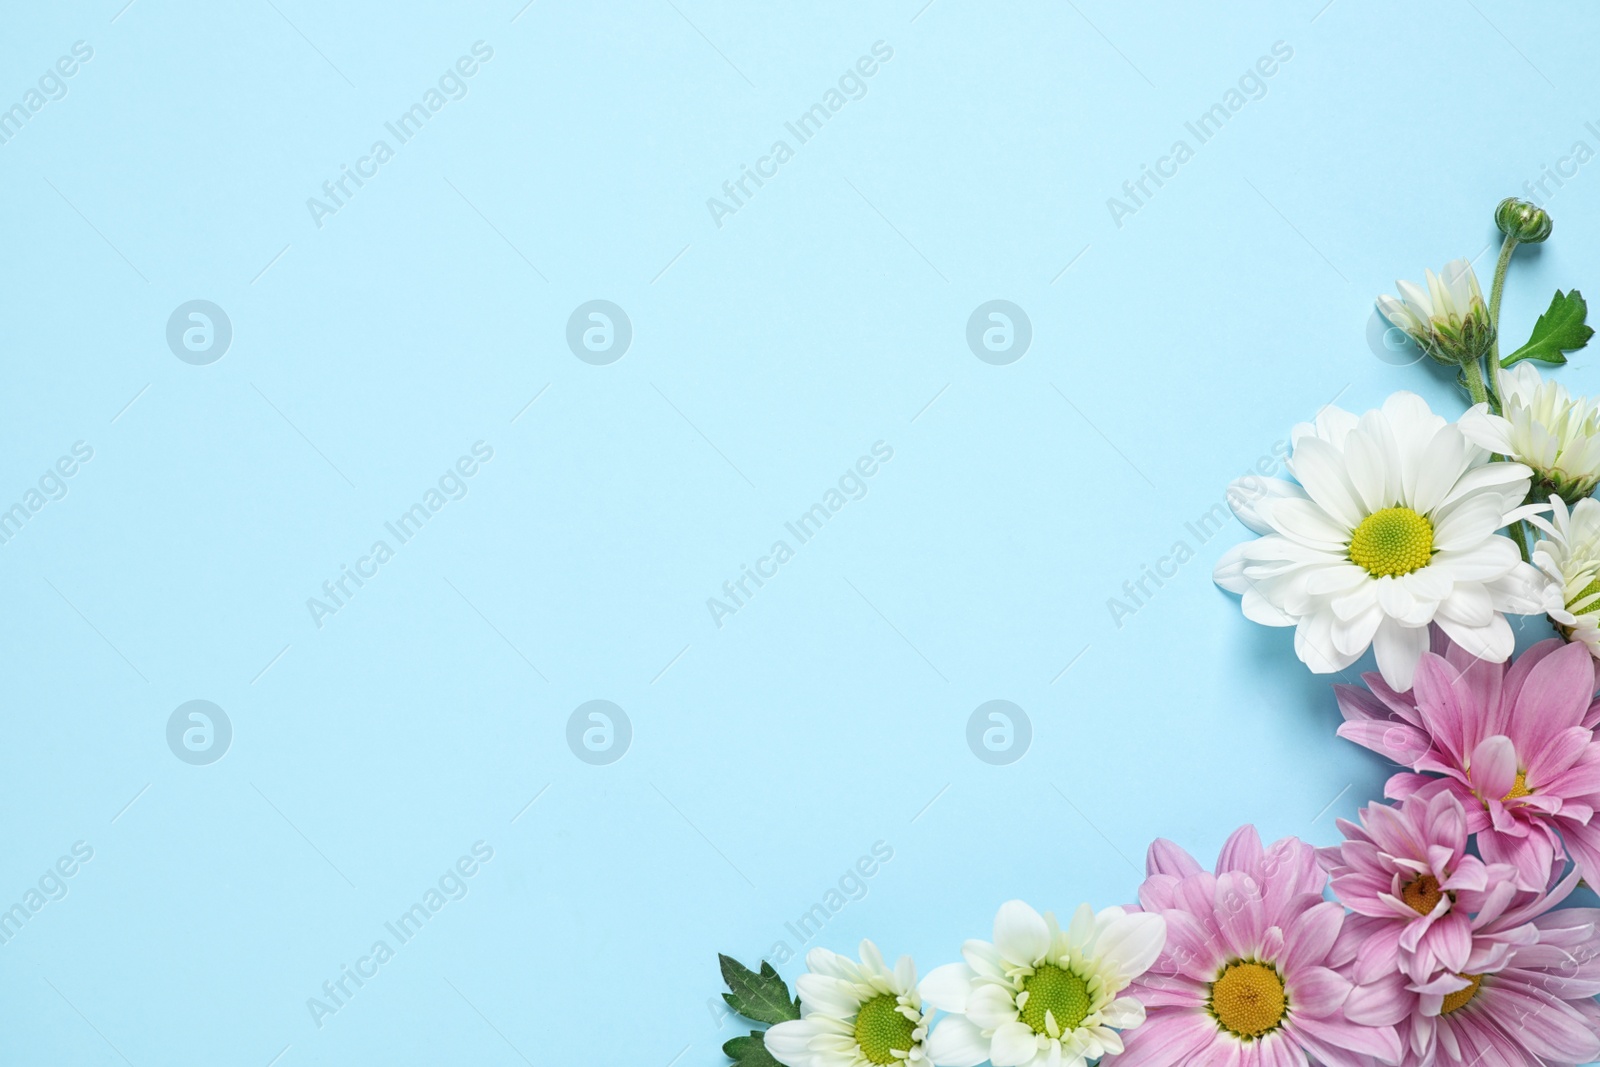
(1522, 220)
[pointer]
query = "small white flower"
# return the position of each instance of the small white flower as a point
(1448, 319)
(1545, 427)
(853, 1014)
(1393, 526)
(1569, 556)
(1040, 995)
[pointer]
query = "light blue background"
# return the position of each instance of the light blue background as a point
(827, 314)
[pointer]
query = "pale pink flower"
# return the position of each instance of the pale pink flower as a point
(1523, 997)
(1245, 978)
(1406, 874)
(1513, 742)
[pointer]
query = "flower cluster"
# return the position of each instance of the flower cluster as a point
(1399, 520)
(1438, 932)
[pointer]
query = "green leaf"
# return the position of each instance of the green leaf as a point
(750, 1052)
(1560, 329)
(763, 997)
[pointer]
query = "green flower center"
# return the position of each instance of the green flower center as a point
(1583, 594)
(1393, 542)
(881, 1030)
(1054, 994)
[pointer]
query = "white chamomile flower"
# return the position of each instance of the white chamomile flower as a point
(1393, 525)
(1448, 319)
(1041, 995)
(1545, 427)
(1569, 555)
(853, 1014)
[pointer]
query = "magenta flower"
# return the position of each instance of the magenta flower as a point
(1514, 743)
(1524, 997)
(1406, 874)
(1244, 979)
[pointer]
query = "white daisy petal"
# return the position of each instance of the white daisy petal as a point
(1245, 493)
(1129, 944)
(1020, 933)
(955, 1042)
(1320, 468)
(830, 996)
(1124, 1013)
(1012, 1045)
(1486, 430)
(947, 988)
(790, 1042)
(1398, 648)
(1493, 641)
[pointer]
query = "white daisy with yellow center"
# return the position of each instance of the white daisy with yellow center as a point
(854, 1014)
(1569, 556)
(1393, 525)
(1040, 995)
(1544, 426)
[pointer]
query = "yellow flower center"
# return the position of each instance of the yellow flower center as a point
(1393, 541)
(1055, 992)
(881, 1030)
(1458, 1000)
(1248, 999)
(1422, 894)
(1519, 788)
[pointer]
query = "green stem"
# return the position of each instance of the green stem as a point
(1495, 291)
(1474, 375)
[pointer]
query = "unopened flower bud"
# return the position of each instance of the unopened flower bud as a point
(1524, 221)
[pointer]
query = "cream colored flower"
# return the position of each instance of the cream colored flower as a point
(1545, 427)
(1569, 555)
(1041, 996)
(864, 1014)
(1448, 319)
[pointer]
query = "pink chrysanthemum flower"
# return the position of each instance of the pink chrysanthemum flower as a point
(1406, 874)
(1244, 979)
(1513, 742)
(1523, 999)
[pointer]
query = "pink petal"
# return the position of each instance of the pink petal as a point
(1164, 857)
(1583, 843)
(1568, 765)
(1334, 1039)
(1239, 913)
(1393, 740)
(1241, 852)
(1168, 1038)
(1310, 935)
(1494, 766)
(1517, 673)
(1317, 990)
(1190, 951)
(1552, 1029)
(1438, 707)
(1447, 943)
(1382, 1003)
(1532, 854)
(1555, 696)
